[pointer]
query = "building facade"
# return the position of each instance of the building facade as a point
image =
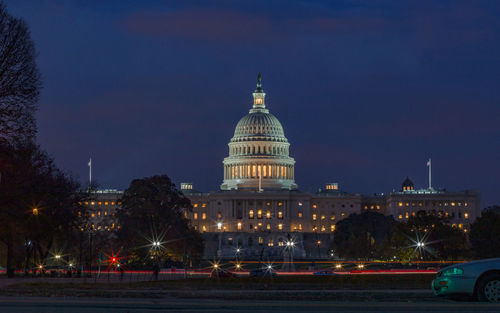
(259, 208)
(259, 211)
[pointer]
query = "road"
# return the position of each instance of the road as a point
(85, 305)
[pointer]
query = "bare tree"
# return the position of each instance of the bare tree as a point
(20, 81)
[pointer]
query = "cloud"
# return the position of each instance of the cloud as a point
(233, 26)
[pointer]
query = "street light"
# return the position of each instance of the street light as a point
(35, 211)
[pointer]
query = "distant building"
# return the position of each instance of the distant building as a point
(259, 208)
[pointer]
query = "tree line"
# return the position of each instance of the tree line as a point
(41, 216)
(374, 236)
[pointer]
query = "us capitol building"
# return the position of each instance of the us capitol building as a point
(259, 208)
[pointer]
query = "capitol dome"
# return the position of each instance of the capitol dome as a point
(259, 151)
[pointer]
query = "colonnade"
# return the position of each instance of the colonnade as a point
(276, 171)
(259, 149)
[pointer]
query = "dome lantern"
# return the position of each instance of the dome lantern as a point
(259, 96)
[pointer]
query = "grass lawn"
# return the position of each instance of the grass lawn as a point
(311, 287)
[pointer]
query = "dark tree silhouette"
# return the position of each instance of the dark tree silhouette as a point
(38, 207)
(442, 241)
(362, 235)
(20, 80)
(485, 233)
(154, 210)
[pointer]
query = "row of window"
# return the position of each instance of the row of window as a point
(439, 214)
(256, 171)
(260, 240)
(434, 203)
(268, 149)
(323, 217)
(99, 203)
(324, 228)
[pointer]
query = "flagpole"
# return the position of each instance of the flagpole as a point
(90, 171)
(430, 171)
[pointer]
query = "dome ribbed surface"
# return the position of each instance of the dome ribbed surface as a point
(260, 125)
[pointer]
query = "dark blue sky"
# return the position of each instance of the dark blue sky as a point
(367, 91)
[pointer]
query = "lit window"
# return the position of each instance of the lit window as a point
(300, 203)
(453, 204)
(332, 228)
(323, 217)
(261, 240)
(203, 216)
(100, 203)
(342, 214)
(268, 214)
(466, 204)
(268, 227)
(105, 203)
(250, 214)
(195, 205)
(323, 228)
(270, 243)
(280, 226)
(204, 205)
(453, 225)
(219, 215)
(400, 216)
(92, 215)
(268, 203)
(219, 226)
(466, 215)
(332, 217)
(314, 216)
(259, 214)
(407, 215)
(195, 215)
(92, 203)
(300, 226)
(280, 204)
(239, 226)
(300, 214)
(280, 242)
(204, 228)
(314, 206)
(400, 204)
(280, 215)
(112, 203)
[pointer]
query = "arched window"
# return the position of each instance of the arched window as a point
(250, 214)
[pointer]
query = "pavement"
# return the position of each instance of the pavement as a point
(84, 305)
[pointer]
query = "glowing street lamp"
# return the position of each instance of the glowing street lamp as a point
(57, 256)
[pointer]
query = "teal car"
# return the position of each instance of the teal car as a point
(479, 279)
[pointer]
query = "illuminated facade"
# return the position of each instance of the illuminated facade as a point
(259, 208)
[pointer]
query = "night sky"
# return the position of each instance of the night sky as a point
(366, 91)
